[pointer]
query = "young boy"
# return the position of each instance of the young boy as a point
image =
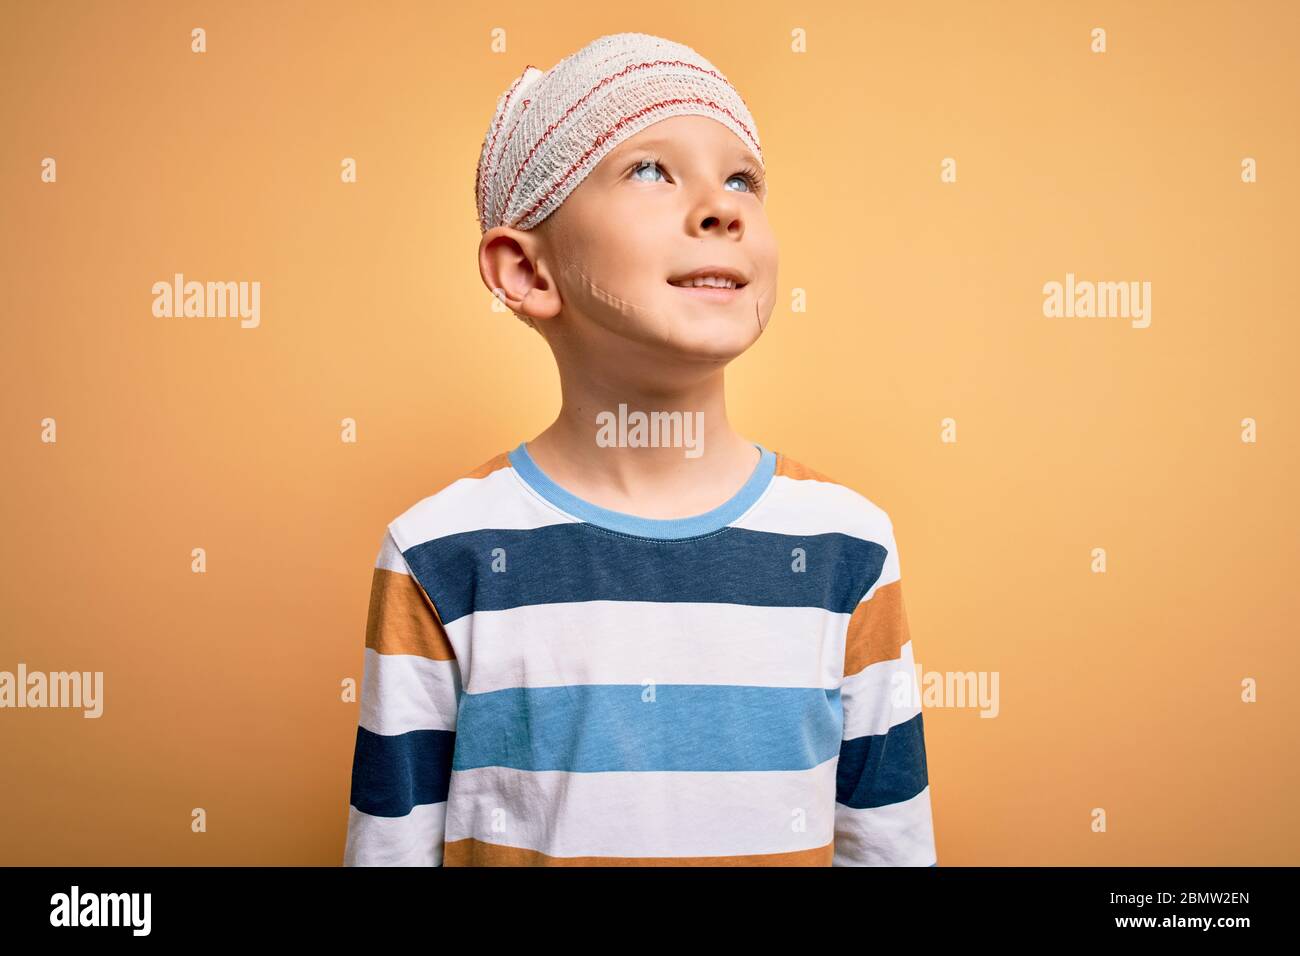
(603, 648)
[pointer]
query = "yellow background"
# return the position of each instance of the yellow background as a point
(222, 690)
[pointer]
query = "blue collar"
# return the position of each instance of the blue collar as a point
(625, 523)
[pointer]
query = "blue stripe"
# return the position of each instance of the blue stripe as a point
(579, 562)
(621, 521)
(877, 770)
(393, 773)
(587, 728)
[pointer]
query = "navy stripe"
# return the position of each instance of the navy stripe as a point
(575, 561)
(880, 769)
(586, 728)
(391, 773)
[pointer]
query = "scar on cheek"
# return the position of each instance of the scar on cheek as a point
(593, 292)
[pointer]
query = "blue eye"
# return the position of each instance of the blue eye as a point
(645, 164)
(752, 178)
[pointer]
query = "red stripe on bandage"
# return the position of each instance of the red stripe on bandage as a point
(604, 82)
(604, 137)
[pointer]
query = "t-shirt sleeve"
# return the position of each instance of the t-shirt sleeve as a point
(882, 794)
(406, 730)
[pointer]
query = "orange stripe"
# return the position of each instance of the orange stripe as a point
(793, 469)
(471, 852)
(402, 619)
(877, 629)
(495, 463)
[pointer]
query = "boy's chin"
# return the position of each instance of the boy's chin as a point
(717, 334)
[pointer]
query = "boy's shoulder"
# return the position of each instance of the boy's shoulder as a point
(831, 503)
(469, 501)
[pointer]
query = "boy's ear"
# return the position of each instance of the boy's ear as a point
(511, 261)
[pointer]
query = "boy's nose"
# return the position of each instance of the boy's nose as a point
(719, 217)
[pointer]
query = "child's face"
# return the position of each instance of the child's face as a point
(665, 202)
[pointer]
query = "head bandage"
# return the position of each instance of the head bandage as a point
(551, 129)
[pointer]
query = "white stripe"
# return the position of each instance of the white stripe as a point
(502, 499)
(898, 834)
(879, 696)
(889, 571)
(390, 558)
(800, 506)
(629, 642)
(470, 504)
(645, 813)
(402, 692)
(413, 840)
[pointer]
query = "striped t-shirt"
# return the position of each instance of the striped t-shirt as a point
(552, 683)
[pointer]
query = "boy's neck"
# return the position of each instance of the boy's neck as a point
(598, 454)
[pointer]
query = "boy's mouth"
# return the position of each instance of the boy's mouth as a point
(711, 277)
(711, 283)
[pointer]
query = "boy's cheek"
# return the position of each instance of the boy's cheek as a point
(639, 299)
